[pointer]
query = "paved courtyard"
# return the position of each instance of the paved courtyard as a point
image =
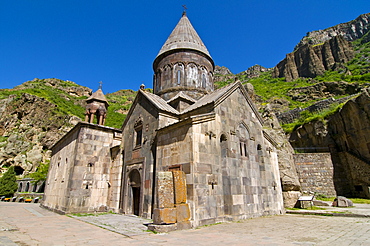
(28, 224)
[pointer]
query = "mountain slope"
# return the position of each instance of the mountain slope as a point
(37, 113)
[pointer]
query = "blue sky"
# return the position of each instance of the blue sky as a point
(115, 41)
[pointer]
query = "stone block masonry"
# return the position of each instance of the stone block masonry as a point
(315, 172)
(171, 187)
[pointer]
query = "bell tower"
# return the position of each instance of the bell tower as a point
(183, 64)
(97, 105)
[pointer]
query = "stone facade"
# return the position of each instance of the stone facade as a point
(79, 178)
(316, 173)
(188, 155)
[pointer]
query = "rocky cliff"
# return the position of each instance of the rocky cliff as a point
(351, 31)
(37, 113)
(31, 124)
(325, 90)
(311, 61)
(345, 135)
(324, 50)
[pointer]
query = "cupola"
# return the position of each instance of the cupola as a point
(183, 64)
(97, 105)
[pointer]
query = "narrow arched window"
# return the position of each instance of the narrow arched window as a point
(178, 77)
(204, 80)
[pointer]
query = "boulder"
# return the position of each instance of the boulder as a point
(342, 201)
(290, 198)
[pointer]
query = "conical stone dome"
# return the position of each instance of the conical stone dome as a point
(183, 64)
(184, 36)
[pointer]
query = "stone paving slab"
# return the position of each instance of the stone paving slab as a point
(133, 225)
(28, 224)
(358, 210)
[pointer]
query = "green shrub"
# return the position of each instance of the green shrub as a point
(8, 183)
(41, 172)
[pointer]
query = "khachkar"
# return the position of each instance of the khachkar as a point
(97, 105)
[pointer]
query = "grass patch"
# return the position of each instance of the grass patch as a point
(360, 200)
(307, 116)
(154, 232)
(325, 198)
(56, 92)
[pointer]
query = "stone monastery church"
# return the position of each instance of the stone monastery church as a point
(186, 155)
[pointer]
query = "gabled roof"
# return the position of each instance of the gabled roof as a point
(182, 95)
(184, 36)
(159, 102)
(219, 95)
(98, 95)
(216, 98)
(210, 98)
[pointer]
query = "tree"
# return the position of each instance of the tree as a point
(8, 183)
(41, 173)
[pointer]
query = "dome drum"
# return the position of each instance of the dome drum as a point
(183, 70)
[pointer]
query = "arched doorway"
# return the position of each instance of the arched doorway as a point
(134, 184)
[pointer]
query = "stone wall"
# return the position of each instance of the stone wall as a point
(79, 174)
(358, 175)
(139, 156)
(315, 171)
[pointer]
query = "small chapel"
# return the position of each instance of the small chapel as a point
(186, 154)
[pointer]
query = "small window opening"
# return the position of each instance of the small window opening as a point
(241, 148)
(178, 77)
(245, 149)
(223, 138)
(138, 133)
(203, 80)
(259, 147)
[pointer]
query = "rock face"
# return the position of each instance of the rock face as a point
(311, 61)
(325, 90)
(352, 30)
(222, 70)
(344, 134)
(255, 71)
(30, 124)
